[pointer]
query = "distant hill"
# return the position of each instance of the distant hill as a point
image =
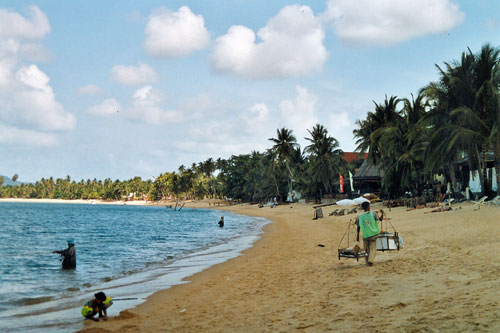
(8, 181)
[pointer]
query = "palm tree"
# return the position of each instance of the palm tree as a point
(208, 167)
(325, 157)
(472, 97)
(385, 115)
(284, 147)
(401, 146)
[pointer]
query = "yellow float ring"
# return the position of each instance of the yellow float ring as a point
(107, 302)
(86, 310)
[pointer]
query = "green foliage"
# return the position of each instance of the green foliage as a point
(409, 139)
(457, 114)
(324, 162)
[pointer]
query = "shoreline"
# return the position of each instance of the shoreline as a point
(286, 282)
(78, 201)
(151, 279)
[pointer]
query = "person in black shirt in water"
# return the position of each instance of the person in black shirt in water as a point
(69, 255)
(221, 221)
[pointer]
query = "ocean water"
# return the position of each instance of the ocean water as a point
(128, 252)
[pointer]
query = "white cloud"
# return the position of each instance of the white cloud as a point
(217, 139)
(30, 101)
(222, 131)
(197, 107)
(133, 75)
(89, 89)
(256, 121)
(291, 44)
(35, 52)
(146, 106)
(13, 25)
(108, 107)
(299, 114)
(259, 113)
(175, 34)
(340, 127)
(12, 135)
(27, 101)
(386, 22)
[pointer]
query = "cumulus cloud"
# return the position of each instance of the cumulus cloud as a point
(35, 52)
(89, 89)
(259, 113)
(291, 44)
(299, 114)
(13, 25)
(29, 101)
(12, 135)
(28, 106)
(256, 121)
(108, 107)
(175, 34)
(341, 127)
(222, 131)
(146, 106)
(133, 75)
(386, 22)
(215, 138)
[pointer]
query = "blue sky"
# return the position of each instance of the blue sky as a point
(116, 89)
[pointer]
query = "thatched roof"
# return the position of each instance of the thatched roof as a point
(368, 170)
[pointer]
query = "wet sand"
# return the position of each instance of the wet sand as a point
(445, 279)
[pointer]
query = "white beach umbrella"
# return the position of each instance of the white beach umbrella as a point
(346, 202)
(360, 200)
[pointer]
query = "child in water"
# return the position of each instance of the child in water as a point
(97, 305)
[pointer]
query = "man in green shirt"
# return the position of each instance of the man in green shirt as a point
(367, 223)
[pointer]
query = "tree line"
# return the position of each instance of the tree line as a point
(455, 117)
(409, 139)
(253, 177)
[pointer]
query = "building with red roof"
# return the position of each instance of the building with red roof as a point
(350, 157)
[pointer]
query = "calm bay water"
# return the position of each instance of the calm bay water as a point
(127, 251)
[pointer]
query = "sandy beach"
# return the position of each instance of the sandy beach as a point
(445, 279)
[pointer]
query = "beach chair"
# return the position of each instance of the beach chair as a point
(341, 212)
(477, 204)
(448, 202)
(352, 210)
(334, 212)
(318, 214)
(494, 201)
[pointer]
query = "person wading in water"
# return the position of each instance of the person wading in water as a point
(69, 255)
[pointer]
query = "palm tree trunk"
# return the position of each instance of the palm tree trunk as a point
(486, 189)
(453, 176)
(497, 162)
(480, 169)
(496, 149)
(276, 184)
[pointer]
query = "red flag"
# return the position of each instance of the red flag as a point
(341, 180)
